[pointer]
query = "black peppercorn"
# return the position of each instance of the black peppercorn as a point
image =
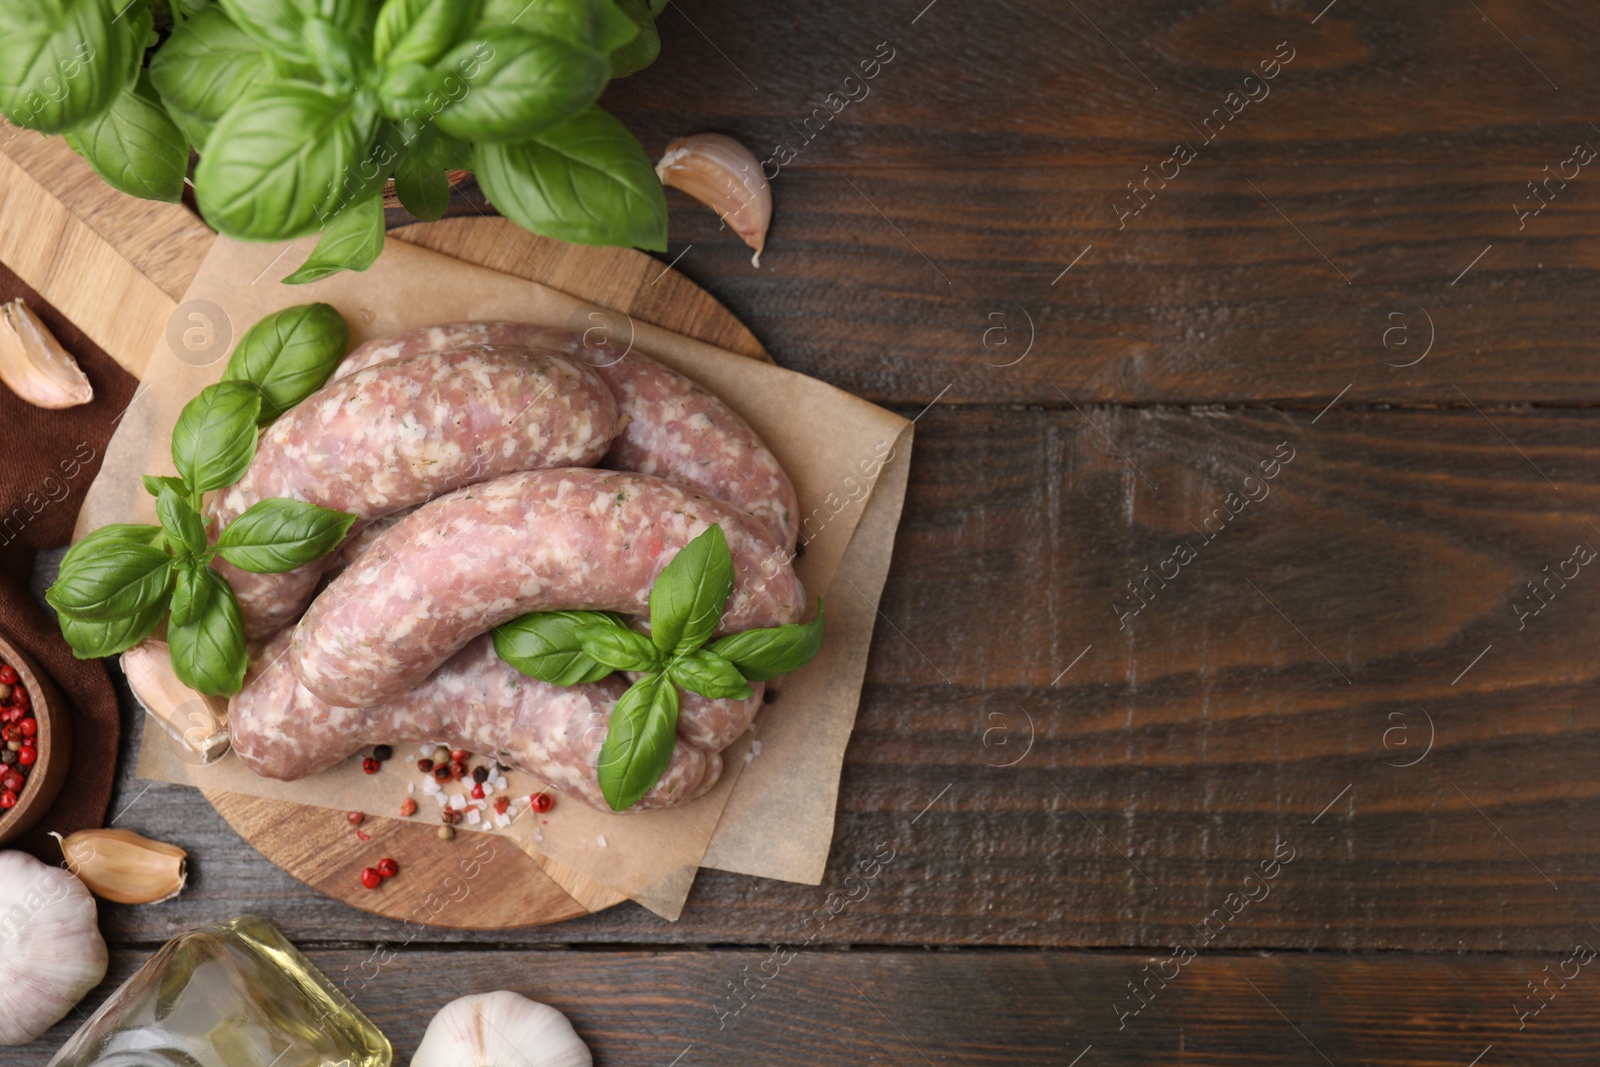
(382, 753)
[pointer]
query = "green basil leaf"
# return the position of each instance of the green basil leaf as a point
(215, 437)
(548, 646)
(154, 482)
(276, 24)
(205, 67)
(449, 153)
(276, 535)
(63, 63)
(93, 638)
(518, 85)
(586, 181)
(185, 528)
(335, 54)
(597, 24)
(289, 355)
(709, 675)
(613, 644)
(115, 580)
(283, 160)
(208, 653)
(352, 241)
(419, 31)
(691, 592)
(769, 652)
(134, 146)
(133, 533)
(638, 746)
(632, 56)
(424, 190)
(192, 592)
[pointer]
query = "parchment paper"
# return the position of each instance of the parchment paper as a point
(780, 805)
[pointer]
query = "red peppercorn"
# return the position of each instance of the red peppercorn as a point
(459, 755)
(388, 867)
(424, 765)
(8, 674)
(370, 765)
(8, 799)
(12, 780)
(26, 755)
(29, 727)
(354, 817)
(542, 802)
(371, 878)
(408, 807)
(20, 697)
(441, 773)
(477, 791)
(501, 804)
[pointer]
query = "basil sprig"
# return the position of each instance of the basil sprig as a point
(118, 583)
(686, 603)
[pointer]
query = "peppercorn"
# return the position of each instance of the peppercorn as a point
(480, 774)
(12, 780)
(29, 727)
(501, 804)
(370, 765)
(8, 799)
(26, 755)
(382, 753)
(8, 674)
(7, 756)
(441, 772)
(460, 755)
(388, 867)
(441, 755)
(424, 765)
(446, 833)
(371, 878)
(354, 817)
(5, 692)
(408, 807)
(477, 791)
(542, 802)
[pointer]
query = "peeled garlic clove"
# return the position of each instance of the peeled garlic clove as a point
(724, 175)
(501, 1029)
(121, 866)
(51, 951)
(197, 724)
(33, 363)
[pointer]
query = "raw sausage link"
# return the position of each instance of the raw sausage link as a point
(389, 437)
(675, 429)
(534, 541)
(476, 702)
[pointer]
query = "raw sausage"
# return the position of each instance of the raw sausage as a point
(675, 429)
(392, 436)
(476, 701)
(533, 541)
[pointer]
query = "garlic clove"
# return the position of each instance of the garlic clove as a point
(724, 175)
(197, 724)
(123, 867)
(33, 363)
(51, 951)
(501, 1029)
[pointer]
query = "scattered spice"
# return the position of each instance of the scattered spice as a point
(446, 833)
(18, 732)
(459, 755)
(370, 765)
(354, 817)
(371, 878)
(542, 802)
(480, 774)
(501, 804)
(477, 791)
(408, 807)
(382, 753)
(441, 772)
(388, 867)
(424, 765)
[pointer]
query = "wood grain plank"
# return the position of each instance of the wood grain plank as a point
(1182, 748)
(971, 1007)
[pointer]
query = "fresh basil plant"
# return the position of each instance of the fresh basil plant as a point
(118, 583)
(686, 602)
(302, 110)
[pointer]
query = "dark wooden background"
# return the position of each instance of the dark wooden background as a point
(1342, 672)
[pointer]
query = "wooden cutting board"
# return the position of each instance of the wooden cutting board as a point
(117, 266)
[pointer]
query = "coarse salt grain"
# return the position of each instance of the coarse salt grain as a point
(411, 788)
(473, 818)
(500, 782)
(459, 801)
(430, 787)
(748, 756)
(502, 820)
(755, 748)
(601, 840)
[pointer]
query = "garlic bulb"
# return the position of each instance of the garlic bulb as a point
(125, 868)
(33, 363)
(51, 952)
(723, 175)
(501, 1029)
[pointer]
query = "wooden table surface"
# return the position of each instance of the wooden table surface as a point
(1321, 787)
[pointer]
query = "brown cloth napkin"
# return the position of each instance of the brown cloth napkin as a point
(38, 451)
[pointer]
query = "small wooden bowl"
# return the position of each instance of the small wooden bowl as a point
(53, 743)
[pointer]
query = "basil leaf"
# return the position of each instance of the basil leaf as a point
(766, 653)
(633, 56)
(215, 437)
(418, 31)
(518, 85)
(424, 190)
(204, 68)
(132, 533)
(276, 535)
(352, 241)
(276, 24)
(638, 747)
(93, 638)
(192, 593)
(114, 581)
(284, 159)
(709, 675)
(289, 355)
(691, 592)
(597, 24)
(548, 646)
(335, 54)
(185, 528)
(63, 63)
(586, 181)
(448, 153)
(135, 147)
(208, 653)
(613, 644)
(154, 482)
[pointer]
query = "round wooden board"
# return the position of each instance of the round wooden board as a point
(316, 844)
